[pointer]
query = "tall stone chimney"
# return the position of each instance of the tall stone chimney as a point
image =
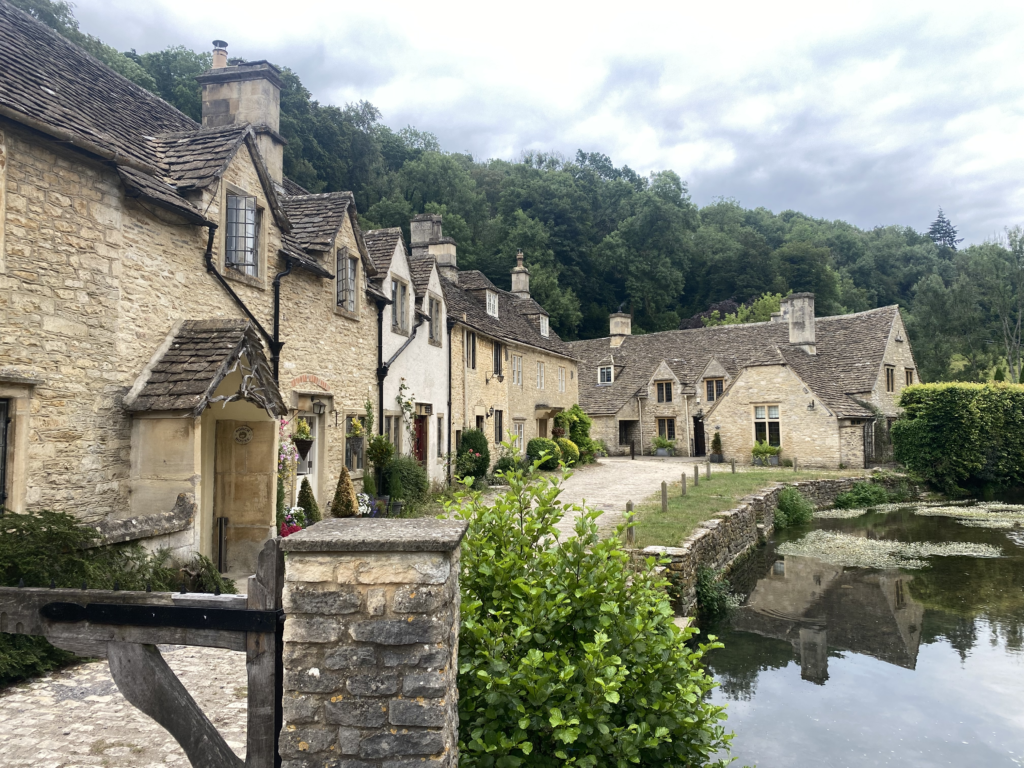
(520, 278)
(427, 240)
(620, 325)
(237, 92)
(798, 309)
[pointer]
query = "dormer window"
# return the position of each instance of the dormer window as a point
(242, 245)
(492, 304)
(399, 306)
(347, 274)
(605, 374)
(544, 328)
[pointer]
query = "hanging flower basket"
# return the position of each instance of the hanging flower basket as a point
(302, 446)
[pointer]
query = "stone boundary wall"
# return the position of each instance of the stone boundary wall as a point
(718, 542)
(371, 644)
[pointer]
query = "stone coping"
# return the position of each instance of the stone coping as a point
(356, 534)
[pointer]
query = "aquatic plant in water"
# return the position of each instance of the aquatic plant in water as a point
(858, 552)
(984, 515)
(882, 509)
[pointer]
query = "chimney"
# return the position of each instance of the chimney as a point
(239, 92)
(798, 308)
(427, 240)
(620, 325)
(520, 278)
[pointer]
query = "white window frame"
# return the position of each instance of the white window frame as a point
(519, 435)
(540, 375)
(561, 379)
(399, 305)
(492, 303)
(600, 375)
(545, 327)
(517, 370)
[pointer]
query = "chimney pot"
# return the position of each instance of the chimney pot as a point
(798, 309)
(220, 54)
(520, 277)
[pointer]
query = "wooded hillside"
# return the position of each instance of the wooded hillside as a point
(600, 237)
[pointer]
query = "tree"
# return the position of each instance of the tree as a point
(758, 311)
(174, 72)
(344, 503)
(943, 233)
(568, 654)
(308, 503)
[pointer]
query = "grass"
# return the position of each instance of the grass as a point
(722, 492)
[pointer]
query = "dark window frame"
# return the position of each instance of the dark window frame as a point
(908, 376)
(664, 389)
(499, 426)
(471, 350)
(890, 378)
(667, 427)
(5, 448)
(713, 389)
(496, 366)
(244, 219)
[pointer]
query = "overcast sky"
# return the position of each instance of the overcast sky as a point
(876, 113)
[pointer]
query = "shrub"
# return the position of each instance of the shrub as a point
(539, 446)
(567, 655)
(762, 450)
(793, 509)
(716, 443)
(570, 453)
(662, 442)
(379, 452)
(961, 437)
(344, 503)
(578, 425)
(307, 501)
(713, 595)
(862, 495)
(282, 505)
(474, 441)
(369, 486)
(407, 480)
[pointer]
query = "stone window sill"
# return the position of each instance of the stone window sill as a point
(435, 343)
(233, 274)
(348, 314)
(399, 331)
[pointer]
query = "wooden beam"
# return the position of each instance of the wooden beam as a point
(263, 663)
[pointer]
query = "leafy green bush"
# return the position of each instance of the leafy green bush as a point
(412, 477)
(578, 425)
(379, 452)
(474, 441)
(369, 484)
(662, 442)
(961, 437)
(862, 495)
(716, 443)
(793, 509)
(762, 450)
(542, 445)
(570, 453)
(713, 595)
(567, 655)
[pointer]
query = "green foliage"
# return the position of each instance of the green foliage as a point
(282, 504)
(863, 495)
(545, 451)
(24, 656)
(379, 452)
(202, 576)
(570, 453)
(660, 442)
(793, 509)
(962, 436)
(713, 595)
(408, 481)
(476, 449)
(578, 426)
(302, 431)
(762, 450)
(307, 501)
(344, 503)
(567, 655)
(369, 485)
(716, 443)
(395, 488)
(760, 310)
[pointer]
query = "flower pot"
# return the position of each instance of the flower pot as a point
(396, 509)
(773, 461)
(661, 452)
(759, 462)
(302, 446)
(716, 458)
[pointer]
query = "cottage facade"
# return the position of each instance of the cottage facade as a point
(822, 389)
(168, 296)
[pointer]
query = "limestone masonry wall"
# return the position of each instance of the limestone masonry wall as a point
(371, 644)
(719, 541)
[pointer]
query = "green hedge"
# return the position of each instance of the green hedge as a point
(570, 453)
(962, 437)
(541, 445)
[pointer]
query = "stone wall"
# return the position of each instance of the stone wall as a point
(719, 541)
(371, 644)
(900, 356)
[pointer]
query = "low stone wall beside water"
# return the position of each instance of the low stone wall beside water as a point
(719, 541)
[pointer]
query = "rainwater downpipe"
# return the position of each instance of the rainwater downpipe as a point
(382, 371)
(640, 410)
(451, 421)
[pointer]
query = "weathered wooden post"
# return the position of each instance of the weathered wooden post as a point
(632, 449)
(696, 475)
(707, 472)
(370, 644)
(630, 529)
(794, 463)
(664, 496)
(733, 463)
(684, 484)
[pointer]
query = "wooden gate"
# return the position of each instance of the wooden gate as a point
(125, 628)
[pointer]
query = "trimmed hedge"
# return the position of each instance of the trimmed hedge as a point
(962, 437)
(570, 453)
(541, 445)
(475, 440)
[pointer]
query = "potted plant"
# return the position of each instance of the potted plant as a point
(379, 452)
(302, 438)
(663, 446)
(716, 449)
(765, 454)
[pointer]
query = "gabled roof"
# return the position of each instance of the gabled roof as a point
(511, 324)
(196, 159)
(381, 245)
(192, 362)
(849, 355)
(420, 268)
(316, 219)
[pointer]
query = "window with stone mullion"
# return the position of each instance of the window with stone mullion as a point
(243, 226)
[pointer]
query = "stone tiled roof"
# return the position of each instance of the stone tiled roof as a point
(511, 325)
(316, 219)
(292, 250)
(138, 184)
(849, 356)
(381, 245)
(196, 159)
(185, 372)
(293, 189)
(420, 269)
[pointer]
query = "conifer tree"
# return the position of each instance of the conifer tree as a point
(344, 503)
(943, 233)
(308, 503)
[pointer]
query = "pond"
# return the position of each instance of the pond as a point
(892, 638)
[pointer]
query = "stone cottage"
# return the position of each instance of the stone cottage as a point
(822, 389)
(414, 391)
(508, 371)
(168, 297)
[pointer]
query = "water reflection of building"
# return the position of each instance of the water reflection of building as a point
(816, 606)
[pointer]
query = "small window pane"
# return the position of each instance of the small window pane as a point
(760, 431)
(773, 411)
(773, 433)
(758, 411)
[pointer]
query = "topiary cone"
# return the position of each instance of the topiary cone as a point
(308, 503)
(344, 503)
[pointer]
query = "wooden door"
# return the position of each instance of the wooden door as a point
(698, 438)
(245, 486)
(421, 438)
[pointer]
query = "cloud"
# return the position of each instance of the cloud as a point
(872, 113)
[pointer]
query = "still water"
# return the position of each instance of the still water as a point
(833, 666)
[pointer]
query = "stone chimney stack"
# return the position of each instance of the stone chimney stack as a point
(620, 325)
(238, 92)
(520, 278)
(427, 240)
(798, 309)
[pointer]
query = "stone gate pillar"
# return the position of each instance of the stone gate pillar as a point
(371, 644)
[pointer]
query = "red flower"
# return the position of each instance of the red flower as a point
(288, 530)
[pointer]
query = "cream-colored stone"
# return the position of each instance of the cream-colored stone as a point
(311, 568)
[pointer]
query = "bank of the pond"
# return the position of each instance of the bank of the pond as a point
(723, 535)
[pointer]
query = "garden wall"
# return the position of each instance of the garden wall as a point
(718, 542)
